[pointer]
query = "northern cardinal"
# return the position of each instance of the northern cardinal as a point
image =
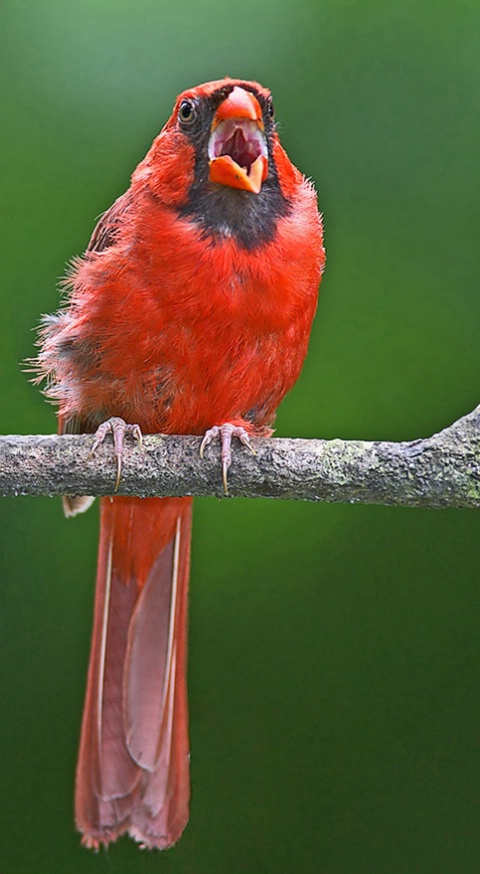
(189, 313)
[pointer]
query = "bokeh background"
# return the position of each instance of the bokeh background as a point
(334, 650)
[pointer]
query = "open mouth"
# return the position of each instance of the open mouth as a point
(238, 155)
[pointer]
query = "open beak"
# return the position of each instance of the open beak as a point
(237, 149)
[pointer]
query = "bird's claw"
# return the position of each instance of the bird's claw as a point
(118, 428)
(226, 432)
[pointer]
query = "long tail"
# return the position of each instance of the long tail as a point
(133, 767)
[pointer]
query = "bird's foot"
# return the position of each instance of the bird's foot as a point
(226, 432)
(118, 428)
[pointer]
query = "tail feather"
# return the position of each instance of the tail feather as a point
(133, 768)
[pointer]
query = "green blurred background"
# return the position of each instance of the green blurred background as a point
(334, 650)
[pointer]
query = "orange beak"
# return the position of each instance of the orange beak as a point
(239, 104)
(237, 148)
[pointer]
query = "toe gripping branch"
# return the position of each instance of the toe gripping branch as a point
(118, 428)
(226, 432)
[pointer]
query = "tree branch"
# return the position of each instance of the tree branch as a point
(438, 471)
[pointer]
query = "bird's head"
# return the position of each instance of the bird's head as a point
(218, 160)
(237, 145)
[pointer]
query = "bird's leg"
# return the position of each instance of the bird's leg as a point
(118, 428)
(226, 432)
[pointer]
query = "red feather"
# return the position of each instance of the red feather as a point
(133, 769)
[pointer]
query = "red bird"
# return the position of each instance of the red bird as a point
(190, 313)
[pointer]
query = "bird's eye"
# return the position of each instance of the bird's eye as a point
(186, 113)
(270, 110)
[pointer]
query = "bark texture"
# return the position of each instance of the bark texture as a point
(438, 471)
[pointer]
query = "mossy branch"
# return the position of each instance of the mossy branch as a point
(438, 471)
